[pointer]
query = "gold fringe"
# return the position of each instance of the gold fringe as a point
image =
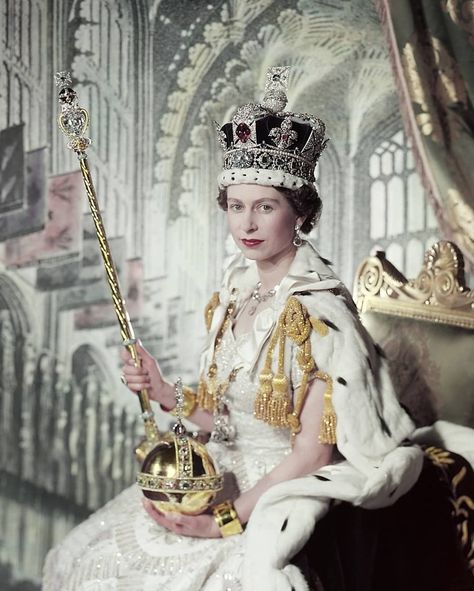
(279, 402)
(210, 309)
(272, 402)
(327, 430)
(262, 400)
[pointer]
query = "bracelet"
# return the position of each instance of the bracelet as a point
(227, 519)
(189, 403)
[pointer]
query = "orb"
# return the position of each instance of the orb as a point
(179, 476)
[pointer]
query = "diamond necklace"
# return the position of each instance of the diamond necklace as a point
(260, 297)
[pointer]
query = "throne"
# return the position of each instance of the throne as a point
(425, 328)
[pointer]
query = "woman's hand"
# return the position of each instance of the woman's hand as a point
(147, 376)
(196, 526)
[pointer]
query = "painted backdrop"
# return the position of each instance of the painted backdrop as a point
(154, 74)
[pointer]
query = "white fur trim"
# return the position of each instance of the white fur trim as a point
(255, 176)
(456, 438)
(304, 501)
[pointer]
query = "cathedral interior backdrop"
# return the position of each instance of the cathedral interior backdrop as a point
(154, 74)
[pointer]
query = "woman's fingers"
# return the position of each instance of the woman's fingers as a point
(171, 522)
(131, 370)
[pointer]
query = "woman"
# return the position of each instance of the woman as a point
(287, 374)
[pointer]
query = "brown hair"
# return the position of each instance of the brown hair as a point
(304, 201)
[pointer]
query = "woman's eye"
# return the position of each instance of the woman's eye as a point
(265, 207)
(235, 206)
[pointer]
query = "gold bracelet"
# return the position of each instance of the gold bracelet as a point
(227, 519)
(190, 402)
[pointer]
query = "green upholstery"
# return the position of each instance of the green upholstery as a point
(432, 366)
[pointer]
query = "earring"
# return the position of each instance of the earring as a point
(297, 240)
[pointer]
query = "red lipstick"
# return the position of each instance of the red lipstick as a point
(250, 243)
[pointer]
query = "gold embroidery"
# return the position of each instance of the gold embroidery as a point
(210, 309)
(273, 403)
(463, 505)
(439, 457)
(210, 390)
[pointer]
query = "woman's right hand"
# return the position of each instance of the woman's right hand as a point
(147, 376)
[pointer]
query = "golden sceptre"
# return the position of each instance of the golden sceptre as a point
(73, 122)
(177, 473)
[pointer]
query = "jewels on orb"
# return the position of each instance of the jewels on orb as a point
(243, 132)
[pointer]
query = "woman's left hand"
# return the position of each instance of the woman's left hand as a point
(197, 526)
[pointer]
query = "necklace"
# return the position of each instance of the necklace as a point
(260, 297)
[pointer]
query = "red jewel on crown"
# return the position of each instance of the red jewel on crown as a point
(243, 132)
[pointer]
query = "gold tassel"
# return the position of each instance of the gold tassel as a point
(210, 309)
(280, 402)
(327, 430)
(263, 397)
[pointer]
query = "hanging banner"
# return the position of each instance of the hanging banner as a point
(61, 236)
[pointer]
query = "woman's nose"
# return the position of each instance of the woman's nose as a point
(249, 223)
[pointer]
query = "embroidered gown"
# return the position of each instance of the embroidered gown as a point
(121, 548)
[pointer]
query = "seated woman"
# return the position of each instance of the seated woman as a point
(290, 386)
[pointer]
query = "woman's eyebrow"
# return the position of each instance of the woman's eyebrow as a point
(262, 199)
(272, 199)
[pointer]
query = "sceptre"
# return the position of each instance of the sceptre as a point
(177, 473)
(73, 122)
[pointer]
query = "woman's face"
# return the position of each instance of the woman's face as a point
(261, 221)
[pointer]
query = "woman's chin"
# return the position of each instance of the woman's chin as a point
(252, 253)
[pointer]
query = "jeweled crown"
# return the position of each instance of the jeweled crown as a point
(264, 144)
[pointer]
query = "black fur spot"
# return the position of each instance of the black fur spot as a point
(302, 293)
(384, 426)
(329, 323)
(342, 381)
(325, 261)
(379, 350)
(284, 524)
(323, 478)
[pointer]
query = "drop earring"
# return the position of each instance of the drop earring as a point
(297, 240)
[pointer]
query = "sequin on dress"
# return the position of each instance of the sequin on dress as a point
(120, 548)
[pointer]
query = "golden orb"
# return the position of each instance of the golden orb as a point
(178, 475)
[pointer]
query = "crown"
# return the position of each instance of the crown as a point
(266, 145)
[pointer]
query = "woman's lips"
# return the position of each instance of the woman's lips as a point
(251, 243)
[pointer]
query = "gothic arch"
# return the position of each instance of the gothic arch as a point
(12, 298)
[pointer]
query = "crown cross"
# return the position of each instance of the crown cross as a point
(283, 136)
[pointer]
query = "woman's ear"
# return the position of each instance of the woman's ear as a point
(300, 220)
